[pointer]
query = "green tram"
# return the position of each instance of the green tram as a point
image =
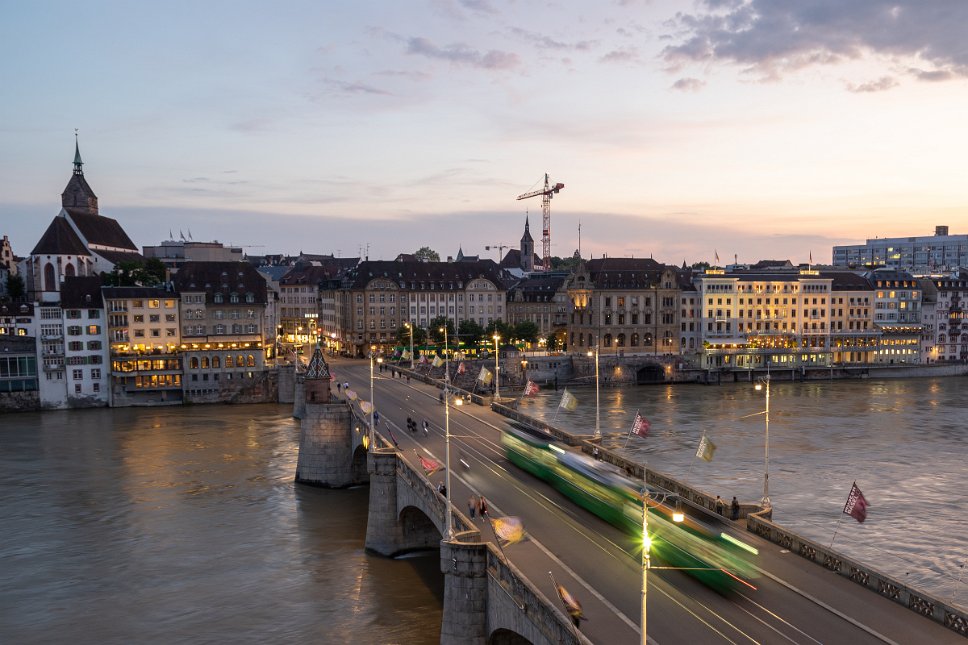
(700, 544)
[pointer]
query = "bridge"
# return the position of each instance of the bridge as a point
(507, 596)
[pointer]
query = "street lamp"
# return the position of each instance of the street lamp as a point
(372, 401)
(598, 422)
(450, 508)
(677, 517)
(497, 369)
(765, 380)
(410, 327)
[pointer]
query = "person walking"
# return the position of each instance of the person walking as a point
(482, 506)
(339, 387)
(720, 506)
(734, 509)
(472, 506)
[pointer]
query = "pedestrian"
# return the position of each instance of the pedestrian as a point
(376, 418)
(346, 385)
(408, 378)
(734, 509)
(595, 453)
(720, 506)
(482, 507)
(472, 506)
(339, 387)
(411, 426)
(442, 489)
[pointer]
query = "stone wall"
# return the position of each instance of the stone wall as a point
(326, 447)
(20, 401)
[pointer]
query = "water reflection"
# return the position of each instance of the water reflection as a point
(178, 524)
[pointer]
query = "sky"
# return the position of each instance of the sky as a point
(747, 129)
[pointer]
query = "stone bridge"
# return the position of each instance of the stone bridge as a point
(486, 599)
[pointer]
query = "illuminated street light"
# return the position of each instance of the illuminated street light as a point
(497, 369)
(761, 382)
(410, 327)
(598, 421)
(372, 401)
(450, 508)
(677, 517)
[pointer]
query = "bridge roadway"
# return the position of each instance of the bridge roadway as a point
(795, 601)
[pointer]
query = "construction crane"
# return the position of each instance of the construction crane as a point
(547, 193)
(500, 250)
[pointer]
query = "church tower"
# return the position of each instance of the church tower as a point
(78, 194)
(527, 248)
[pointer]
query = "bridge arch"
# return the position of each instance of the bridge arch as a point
(507, 637)
(650, 373)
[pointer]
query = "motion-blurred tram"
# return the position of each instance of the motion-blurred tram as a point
(701, 544)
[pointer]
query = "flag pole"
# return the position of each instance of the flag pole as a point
(630, 430)
(836, 528)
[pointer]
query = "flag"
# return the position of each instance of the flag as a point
(485, 376)
(531, 388)
(460, 368)
(572, 606)
(406, 355)
(366, 406)
(706, 449)
(437, 361)
(351, 395)
(510, 530)
(641, 425)
(423, 359)
(811, 257)
(717, 256)
(856, 505)
(568, 401)
(430, 466)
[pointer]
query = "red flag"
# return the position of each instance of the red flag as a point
(460, 368)
(430, 466)
(531, 388)
(641, 425)
(856, 505)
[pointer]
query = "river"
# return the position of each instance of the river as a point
(183, 524)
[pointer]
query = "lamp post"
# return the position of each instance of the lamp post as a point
(677, 517)
(598, 416)
(761, 382)
(450, 508)
(497, 369)
(372, 401)
(410, 327)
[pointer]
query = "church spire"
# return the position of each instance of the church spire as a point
(77, 156)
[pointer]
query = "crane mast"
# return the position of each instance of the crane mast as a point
(546, 194)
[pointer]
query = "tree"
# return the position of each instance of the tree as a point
(15, 287)
(565, 264)
(156, 269)
(551, 342)
(700, 266)
(526, 331)
(498, 327)
(438, 336)
(426, 254)
(135, 274)
(419, 336)
(471, 332)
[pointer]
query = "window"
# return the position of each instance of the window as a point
(77, 388)
(93, 330)
(77, 375)
(73, 331)
(75, 345)
(139, 318)
(96, 373)
(93, 314)
(154, 304)
(97, 388)
(154, 318)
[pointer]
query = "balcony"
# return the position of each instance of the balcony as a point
(53, 368)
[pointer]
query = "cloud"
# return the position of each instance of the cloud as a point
(546, 42)
(688, 84)
(621, 55)
(355, 88)
(461, 54)
(770, 37)
(880, 85)
(482, 6)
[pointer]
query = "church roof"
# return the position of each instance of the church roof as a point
(100, 230)
(60, 239)
(81, 292)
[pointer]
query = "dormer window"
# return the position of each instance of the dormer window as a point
(218, 298)
(250, 297)
(234, 297)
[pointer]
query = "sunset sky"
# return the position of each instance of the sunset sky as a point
(764, 129)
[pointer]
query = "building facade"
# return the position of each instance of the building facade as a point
(924, 254)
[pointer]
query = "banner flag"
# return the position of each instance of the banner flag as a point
(572, 606)
(366, 406)
(438, 361)
(423, 359)
(531, 388)
(568, 401)
(430, 466)
(485, 376)
(510, 530)
(406, 355)
(706, 449)
(856, 505)
(641, 425)
(351, 395)
(460, 368)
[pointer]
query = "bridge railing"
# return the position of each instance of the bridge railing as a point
(918, 601)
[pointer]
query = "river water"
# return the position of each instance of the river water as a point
(905, 443)
(183, 524)
(173, 524)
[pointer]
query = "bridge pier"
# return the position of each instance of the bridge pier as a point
(286, 383)
(465, 593)
(384, 532)
(299, 397)
(326, 447)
